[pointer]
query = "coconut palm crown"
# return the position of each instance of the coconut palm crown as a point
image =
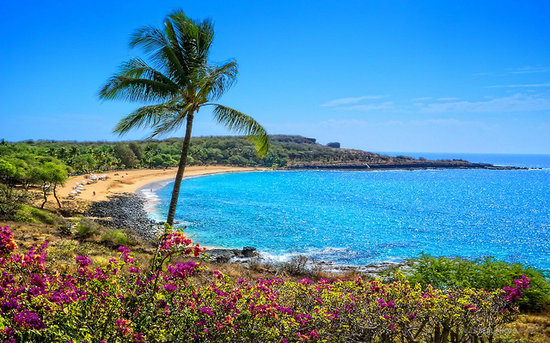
(178, 82)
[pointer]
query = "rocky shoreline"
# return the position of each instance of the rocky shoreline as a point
(127, 211)
(124, 211)
(412, 165)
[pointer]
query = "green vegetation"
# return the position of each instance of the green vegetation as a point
(180, 81)
(488, 274)
(175, 298)
(48, 175)
(29, 214)
(44, 165)
(116, 237)
(21, 168)
(84, 157)
(86, 228)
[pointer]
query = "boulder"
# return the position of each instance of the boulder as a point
(249, 252)
(220, 255)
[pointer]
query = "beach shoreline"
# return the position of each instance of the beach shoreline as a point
(132, 180)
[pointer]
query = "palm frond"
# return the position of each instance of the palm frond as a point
(205, 38)
(194, 38)
(162, 50)
(172, 121)
(241, 123)
(218, 80)
(136, 89)
(138, 68)
(144, 117)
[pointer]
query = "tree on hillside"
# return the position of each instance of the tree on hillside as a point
(179, 81)
(137, 149)
(126, 156)
(49, 176)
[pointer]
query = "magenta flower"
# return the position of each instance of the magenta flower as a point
(7, 245)
(83, 261)
(206, 310)
(28, 319)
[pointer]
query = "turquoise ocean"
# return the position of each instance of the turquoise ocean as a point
(362, 217)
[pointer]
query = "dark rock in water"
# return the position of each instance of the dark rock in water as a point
(249, 252)
(334, 145)
(220, 255)
(225, 255)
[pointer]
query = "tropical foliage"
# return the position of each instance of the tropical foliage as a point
(487, 273)
(19, 170)
(175, 300)
(229, 150)
(180, 81)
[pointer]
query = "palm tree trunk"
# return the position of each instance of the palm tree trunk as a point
(181, 168)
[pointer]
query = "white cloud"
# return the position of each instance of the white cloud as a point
(517, 71)
(447, 99)
(530, 70)
(514, 103)
(388, 105)
(351, 100)
(529, 85)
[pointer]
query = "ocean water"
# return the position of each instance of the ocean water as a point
(361, 217)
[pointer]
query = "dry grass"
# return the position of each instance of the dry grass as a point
(529, 328)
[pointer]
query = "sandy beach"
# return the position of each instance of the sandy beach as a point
(129, 181)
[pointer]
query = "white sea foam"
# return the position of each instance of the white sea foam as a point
(151, 199)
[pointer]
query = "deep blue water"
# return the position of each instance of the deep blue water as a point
(365, 217)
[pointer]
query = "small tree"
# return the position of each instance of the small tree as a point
(49, 176)
(7, 172)
(126, 156)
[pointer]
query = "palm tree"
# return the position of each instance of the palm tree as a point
(180, 81)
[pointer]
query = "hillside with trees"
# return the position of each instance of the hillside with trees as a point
(285, 152)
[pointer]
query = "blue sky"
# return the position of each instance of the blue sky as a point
(425, 76)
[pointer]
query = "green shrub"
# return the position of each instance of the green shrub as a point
(116, 237)
(29, 214)
(487, 273)
(296, 266)
(86, 228)
(11, 201)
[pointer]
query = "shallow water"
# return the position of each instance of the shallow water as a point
(358, 218)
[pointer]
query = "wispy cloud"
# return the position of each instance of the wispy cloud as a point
(388, 105)
(351, 100)
(517, 71)
(424, 98)
(514, 103)
(530, 70)
(520, 102)
(528, 85)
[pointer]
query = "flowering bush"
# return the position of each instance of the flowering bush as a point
(183, 302)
